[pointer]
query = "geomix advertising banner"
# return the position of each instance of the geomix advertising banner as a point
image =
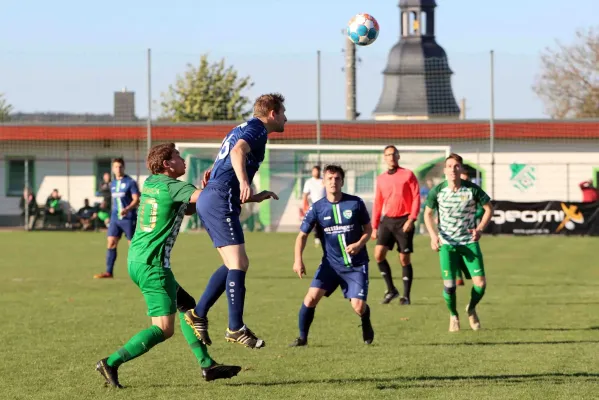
(544, 218)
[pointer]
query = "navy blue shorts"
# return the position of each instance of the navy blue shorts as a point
(219, 214)
(353, 281)
(117, 227)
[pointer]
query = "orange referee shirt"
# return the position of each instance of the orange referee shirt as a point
(396, 195)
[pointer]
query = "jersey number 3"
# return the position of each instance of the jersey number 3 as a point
(148, 215)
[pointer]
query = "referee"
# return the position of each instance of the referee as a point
(397, 197)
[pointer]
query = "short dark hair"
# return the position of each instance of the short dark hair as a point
(119, 160)
(316, 167)
(335, 169)
(158, 155)
(456, 157)
(391, 147)
(267, 103)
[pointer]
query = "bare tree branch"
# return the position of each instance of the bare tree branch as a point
(568, 83)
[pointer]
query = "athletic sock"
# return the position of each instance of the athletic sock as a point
(407, 274)
(476, 294)
(450, 300)
(198, 348)
(214, 289)
(110, 260)
(136, 346)
(386, 274)
(306, 316)
(236, 297)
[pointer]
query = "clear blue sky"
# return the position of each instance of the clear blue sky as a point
(70, 56)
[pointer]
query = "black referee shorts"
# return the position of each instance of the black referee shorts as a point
(391, 232)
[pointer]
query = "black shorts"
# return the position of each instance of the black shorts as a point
(391, 232)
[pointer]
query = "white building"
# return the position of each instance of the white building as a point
(534, 161)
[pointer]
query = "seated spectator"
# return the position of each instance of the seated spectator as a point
(33, 210)
(87, 215)
(589, 192)
(53, 209)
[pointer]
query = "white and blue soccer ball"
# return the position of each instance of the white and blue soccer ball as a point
(363, 29)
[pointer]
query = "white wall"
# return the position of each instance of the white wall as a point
(556, 167)
(75, 181)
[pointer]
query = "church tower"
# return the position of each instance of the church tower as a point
(417, 79)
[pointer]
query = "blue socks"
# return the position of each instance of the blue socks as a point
(110, 259)
(306, 316)
(214, 289)
(236, 296)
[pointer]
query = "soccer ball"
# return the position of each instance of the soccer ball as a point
(363, 29)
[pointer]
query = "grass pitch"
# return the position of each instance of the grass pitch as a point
(539, 339)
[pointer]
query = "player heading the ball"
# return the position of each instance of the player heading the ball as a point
(229, 185)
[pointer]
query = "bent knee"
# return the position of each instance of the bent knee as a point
(358, 305)
(380, 253)
(311, 301)
(112, 242)
(405, 259)
(168, 331)
(449, 287)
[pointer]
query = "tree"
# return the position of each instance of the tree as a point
(209, 92)
(569, 81)
(5, 109)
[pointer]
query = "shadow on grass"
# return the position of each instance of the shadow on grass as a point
(508, 343)
(428, 381)
(553, 284)
(590, 328)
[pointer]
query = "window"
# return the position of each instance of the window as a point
(103, 165)
(15, 176)
(365, 182)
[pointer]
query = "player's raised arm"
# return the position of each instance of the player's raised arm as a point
(238, 157)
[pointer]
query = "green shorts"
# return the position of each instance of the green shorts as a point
(467, 257)
(158, 286)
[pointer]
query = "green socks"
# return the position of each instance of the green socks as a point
(136, 346)
(199, 349)
(450, 301)
(476, 295)
(148, 338)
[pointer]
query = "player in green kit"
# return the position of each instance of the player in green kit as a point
(456, 201)
(163, 204)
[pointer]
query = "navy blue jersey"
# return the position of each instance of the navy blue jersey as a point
(122, 191)
(254, 133)
(338, 225)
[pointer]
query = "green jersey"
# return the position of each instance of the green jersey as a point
(161, 210)
(457, 210)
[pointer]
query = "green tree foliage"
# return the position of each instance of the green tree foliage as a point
(569, 79)
(209, 92)
(5, 109)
